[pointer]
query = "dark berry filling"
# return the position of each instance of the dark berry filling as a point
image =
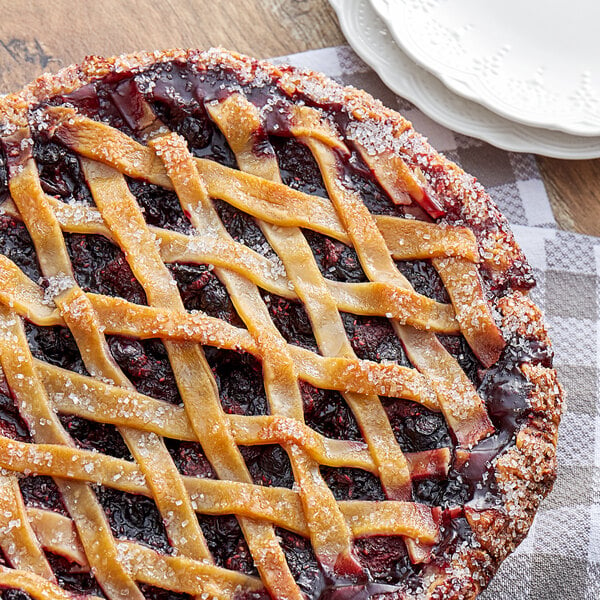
(72, 577)
(161, 207)
(298, 169)
(243, 229)
(188, 119)
(134, 517)
(16, 244)
(268, 465)
(60, 172)
(302, 562)
(353, 484)
(292, 321)
(239, 380)
(358, 177)
(227, 543)
(13, 594)
(424, 278)
(373, 338)
(457, 346)
(41, 492)
(153, 593)
(335, 260)
(146, 364)
(11, 423)
(190, 459)
(446, 493)
(184, 112)
(327, 412)
(101, 267)
(55, 345)
(386, 561)
(201, 289)
(98, 437)
(416, 428)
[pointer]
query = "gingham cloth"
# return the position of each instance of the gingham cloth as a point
(560, 558)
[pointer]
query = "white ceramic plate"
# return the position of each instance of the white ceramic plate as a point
(533, 61)
(368, 36)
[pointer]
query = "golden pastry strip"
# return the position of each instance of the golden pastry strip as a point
(17, 539)
(75, 394)
(119, 317)
(393, 174)
(461, 279)
(254, 194)
(196, 384)
(406, 239)
(37, 587)
(409, 239)
(330, 535)
(58, 534)
(182, 574)
(280, 506)
(379, 299)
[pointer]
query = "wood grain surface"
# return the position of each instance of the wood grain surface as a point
(42, 35)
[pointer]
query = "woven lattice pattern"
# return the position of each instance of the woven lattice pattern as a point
(42, 391)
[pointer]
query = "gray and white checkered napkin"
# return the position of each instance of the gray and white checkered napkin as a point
(560, 559)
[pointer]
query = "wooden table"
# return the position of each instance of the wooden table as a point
(37, 35)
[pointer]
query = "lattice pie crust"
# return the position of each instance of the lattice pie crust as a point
(500, 445)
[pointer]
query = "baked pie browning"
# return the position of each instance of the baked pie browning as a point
(258, 339)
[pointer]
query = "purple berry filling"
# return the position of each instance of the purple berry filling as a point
(161, 207)
(134, 517)
(96, 437)
(60, 173)
(292, 321)
(327, 413)
(16, 244)
(190, 460)
(146, 364)
(269, 465)
(372, 338)
(201, 289)
(11, 422)
(243, 229)
(72, 577)
(227, 544)
(56, 346)
(41, 491)
(353, 484)
(335, 260)
(100, 267)
(416, 428)
(239, 380)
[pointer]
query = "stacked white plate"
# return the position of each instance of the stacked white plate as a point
(523, 76)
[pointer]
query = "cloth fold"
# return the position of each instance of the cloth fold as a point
(560, 558)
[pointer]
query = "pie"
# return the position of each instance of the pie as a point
(258, 339)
